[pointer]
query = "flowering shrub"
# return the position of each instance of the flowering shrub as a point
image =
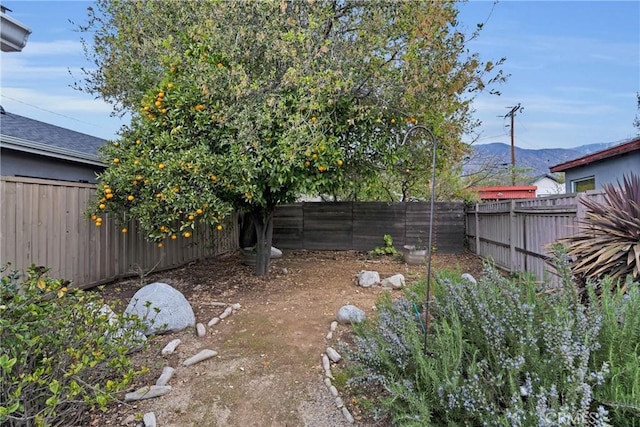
(61, 352)
(502, 352)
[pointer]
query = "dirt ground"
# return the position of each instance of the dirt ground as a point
(268, 371)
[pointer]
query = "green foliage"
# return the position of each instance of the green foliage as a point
(277, 99)
(60, 353)
(619, 349)
(607, 243)
(502, 352)
(387, 249)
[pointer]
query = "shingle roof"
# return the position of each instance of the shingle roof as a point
(21, 133)
(617, 150)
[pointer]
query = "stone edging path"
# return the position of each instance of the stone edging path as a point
(161, 386)
(332, 356)
(329, 358)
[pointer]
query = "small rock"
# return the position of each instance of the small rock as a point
(236, 306)
(203, 355)
(284, 271)
(167, 373)
(334, 325)
(171, 346)
(226, 313)
(350, 314)
(327, 382)
(130, 419)
(275, 253)
(325, 363)
(366, 278)
(347, 415)
(213, 321)
(333, 355)
(394, 282)
(339, 402)
(470, 278)
(329, 335)
(328, 374)
(201, 330)
(147, 392)
(149, 419)
(333, 390)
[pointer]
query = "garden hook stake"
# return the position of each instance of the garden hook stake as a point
(434, 144)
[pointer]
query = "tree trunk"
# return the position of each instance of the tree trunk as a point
(263, 221)
(247, 230)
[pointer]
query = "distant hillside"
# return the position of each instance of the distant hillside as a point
(538, 161)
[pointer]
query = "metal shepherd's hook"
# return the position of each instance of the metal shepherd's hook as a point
(434, 144)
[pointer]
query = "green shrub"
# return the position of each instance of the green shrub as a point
(61, 352)
(502, 352)
(607, 241)
(387, 249)
(619, 349)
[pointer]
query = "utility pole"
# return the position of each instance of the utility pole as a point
(512, 114)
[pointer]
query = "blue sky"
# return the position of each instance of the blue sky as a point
(574, 66)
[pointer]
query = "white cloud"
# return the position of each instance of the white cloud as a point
(55, 47)
(17, 69)
(74, 102)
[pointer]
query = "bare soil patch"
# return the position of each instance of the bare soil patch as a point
(268, 371)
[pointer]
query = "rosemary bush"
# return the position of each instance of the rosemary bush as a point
(504, 352)
(61, 353)
(619, 340)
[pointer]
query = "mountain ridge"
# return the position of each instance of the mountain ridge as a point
(535, 161)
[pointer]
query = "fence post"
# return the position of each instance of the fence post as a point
(512, 235)
(477, 230)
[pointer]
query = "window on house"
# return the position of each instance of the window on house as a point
(586, 184)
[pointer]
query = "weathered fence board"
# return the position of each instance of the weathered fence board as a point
(362, 225)
(327, 226)
(517, 234)
(371, 221)
(43, 223)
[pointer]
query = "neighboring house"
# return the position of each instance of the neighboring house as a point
(30, 148)
(547, 185)
(504, 192)
(608, 166)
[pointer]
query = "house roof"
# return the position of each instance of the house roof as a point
(507, 192)
(616, 150)
(544, 175)
(32, 136)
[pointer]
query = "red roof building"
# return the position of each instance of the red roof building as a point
(504, 192)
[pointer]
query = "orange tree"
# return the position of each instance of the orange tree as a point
(246, 105)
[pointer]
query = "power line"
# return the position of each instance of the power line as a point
(48, 111)
(511, 114)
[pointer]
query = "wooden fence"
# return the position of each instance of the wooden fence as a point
(362, 225)
(43, 222)
(516, 234)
